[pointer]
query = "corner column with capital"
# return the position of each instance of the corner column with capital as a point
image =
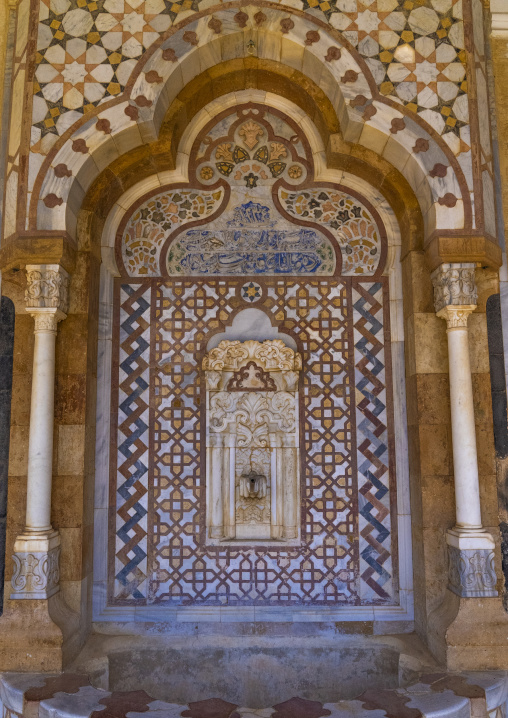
(37, 549)
(470, 546)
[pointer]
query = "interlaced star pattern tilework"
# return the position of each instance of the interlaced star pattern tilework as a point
(160, 555)
(87, 51)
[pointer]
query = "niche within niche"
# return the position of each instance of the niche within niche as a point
(252, 441)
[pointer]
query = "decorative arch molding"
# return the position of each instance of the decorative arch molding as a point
(366, 117)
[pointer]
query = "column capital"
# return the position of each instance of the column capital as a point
(456, 315)
(454, 286)
(47, 291)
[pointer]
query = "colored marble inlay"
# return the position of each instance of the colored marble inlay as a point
(150, 225)
(87, 51)
(251, 292)
(130, 567)
(350, 222)
(372, 449)
(345, 548)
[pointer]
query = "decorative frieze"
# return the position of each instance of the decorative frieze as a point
(454, 285)
(472, 572)
(47, 287)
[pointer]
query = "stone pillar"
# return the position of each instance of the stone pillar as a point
(470, 547)
(37, 550)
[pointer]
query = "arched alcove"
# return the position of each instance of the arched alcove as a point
(332, 317)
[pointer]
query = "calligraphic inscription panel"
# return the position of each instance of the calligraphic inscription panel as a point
(159, 553)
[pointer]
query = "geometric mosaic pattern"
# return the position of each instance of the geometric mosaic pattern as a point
(159, 552)
(372, 436)
(133, 445)
(88, 49)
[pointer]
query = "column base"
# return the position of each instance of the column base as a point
(469, 634)
(471, 563)
(36, 572)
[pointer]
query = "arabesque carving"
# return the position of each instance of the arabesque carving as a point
(270, 355)
(472, 572)
(47, 287)
(454, 285)
(36, 574)
(252, 441)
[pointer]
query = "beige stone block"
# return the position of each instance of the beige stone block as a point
(485, 449)
(67, 502)
(71, 445)
(478, 345)
(435, 449)
(412, 399)
(79, 285)
(70, 398)
(18, 451)
(417, 284)
(373, 139)
(433, 398)
(489, 501)
(431, 355)
(71, 345)
(409, 345)
(436, 567)
(438, 502)
(71, 592)
(70, 557)
(23, 344)
(487, 283)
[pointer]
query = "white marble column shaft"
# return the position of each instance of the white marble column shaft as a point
(465, 459)
(40, 446)
(36, 551)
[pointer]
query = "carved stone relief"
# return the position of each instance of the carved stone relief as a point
(252, 441)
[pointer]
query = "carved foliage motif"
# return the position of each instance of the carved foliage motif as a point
(472, 572)
(249, 405)
(271, 355)
(252, 413)
(454, 284)
(36, 573)
(47, 287)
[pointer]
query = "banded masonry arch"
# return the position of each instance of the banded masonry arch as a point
(251, 217)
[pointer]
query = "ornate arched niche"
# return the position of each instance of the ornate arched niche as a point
(252, 441)
(252, 457)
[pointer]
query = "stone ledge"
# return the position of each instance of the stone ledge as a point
(481, 249)
(436, 695)
(43, 249)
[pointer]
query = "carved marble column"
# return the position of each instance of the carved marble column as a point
(37, 550)
(470, 546)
